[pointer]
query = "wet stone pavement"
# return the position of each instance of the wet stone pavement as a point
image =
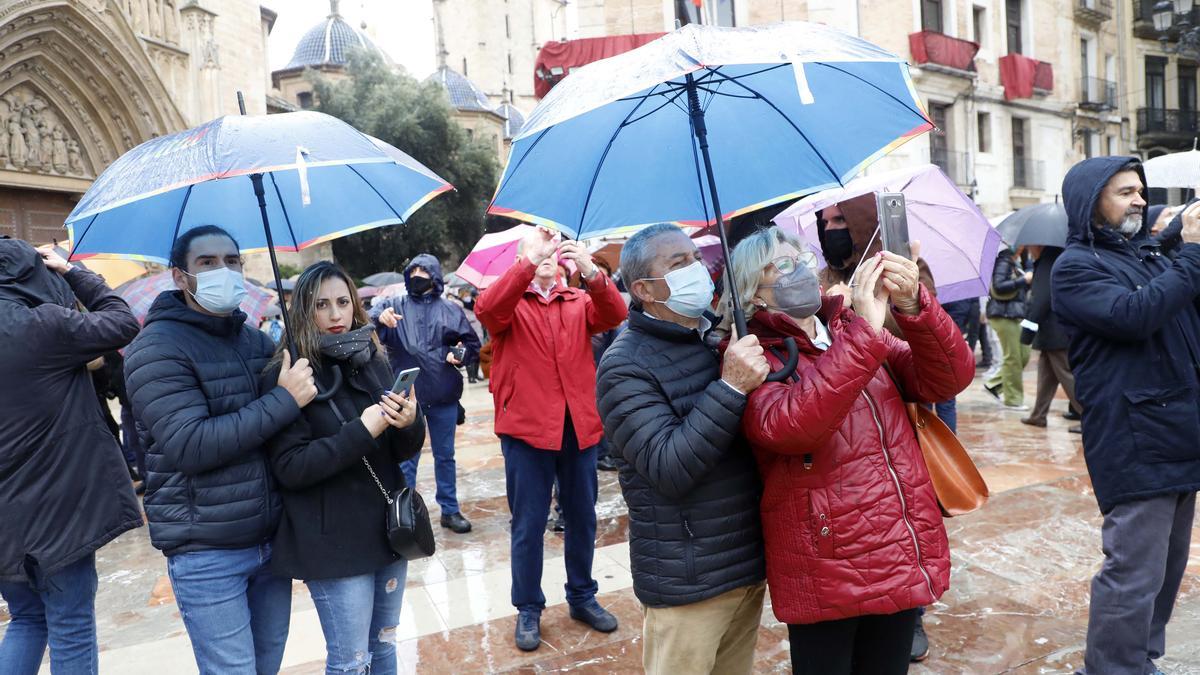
(1017, 604)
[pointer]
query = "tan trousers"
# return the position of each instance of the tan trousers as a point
(711, 636)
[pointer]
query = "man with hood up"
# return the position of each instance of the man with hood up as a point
(64, 488)
(1131, 314)
(421, 329)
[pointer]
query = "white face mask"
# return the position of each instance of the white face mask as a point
(691, 290)
(220, 291)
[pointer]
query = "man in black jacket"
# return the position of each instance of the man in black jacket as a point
(192, 375)
(64, 490)
(672, 412)
(1050, 341)
(1131, 314)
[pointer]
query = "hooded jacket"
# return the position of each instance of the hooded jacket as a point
(193, 382)
(64, 488)
(1134, 331)
(429, 327)
(1050, 335)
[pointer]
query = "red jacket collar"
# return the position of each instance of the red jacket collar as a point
(772, 327)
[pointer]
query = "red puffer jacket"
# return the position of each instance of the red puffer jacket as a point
(850, 520)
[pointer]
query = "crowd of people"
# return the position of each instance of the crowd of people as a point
(262, 464)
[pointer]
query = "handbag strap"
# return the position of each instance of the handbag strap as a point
(342, 420)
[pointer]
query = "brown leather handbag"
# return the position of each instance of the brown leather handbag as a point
(956, 480)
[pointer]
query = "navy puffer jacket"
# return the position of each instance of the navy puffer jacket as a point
(193, 382)
(686, 472)
(1134, 349)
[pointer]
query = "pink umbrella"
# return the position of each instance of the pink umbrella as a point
(492, 256)
(957, 241)
(141, 294)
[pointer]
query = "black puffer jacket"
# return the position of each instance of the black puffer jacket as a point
(687, 475)
(1005, 279)
(333, 512)
(193, 382)
(64, 488)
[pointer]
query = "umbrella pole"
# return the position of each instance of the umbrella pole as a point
(739, 316)
(701, 132)
(257, 180)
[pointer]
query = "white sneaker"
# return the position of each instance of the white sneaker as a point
(1016, 408)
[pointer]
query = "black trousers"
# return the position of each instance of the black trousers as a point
(863, 645)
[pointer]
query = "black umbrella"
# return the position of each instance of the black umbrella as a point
(384, 279)
(1037, 225)
(288, 285)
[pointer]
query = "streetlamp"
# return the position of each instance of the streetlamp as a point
(1176, 14)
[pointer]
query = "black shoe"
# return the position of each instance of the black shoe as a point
(556, 524)
(595, 616)
(456, 523)
(1072, 416)
(472, 380)
(606, 463)
(1033, 423)
(920, 645)
(529, 631)
(994, 391)
(1077, 429)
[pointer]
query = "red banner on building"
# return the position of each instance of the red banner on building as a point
(556, 59)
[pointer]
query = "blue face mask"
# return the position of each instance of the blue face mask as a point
(220, 291)
(691, 290)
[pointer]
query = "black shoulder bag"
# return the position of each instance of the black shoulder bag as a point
(409, 531)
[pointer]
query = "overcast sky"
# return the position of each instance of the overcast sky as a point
(402, 28)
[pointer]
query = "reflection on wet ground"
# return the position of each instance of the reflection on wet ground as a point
(1017, 603)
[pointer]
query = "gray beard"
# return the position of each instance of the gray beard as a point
(1130, 226)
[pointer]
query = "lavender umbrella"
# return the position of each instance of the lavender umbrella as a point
(957, 242)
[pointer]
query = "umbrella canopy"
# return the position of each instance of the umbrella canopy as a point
(115, 271)
(1178, 169)
(141, 293)
(789, 108)
(322, 179)
(492, 256)
(1037, 225)
(384, 279)
(957, 241)
(289, 285)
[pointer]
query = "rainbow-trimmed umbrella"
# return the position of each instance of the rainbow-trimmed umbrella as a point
(706, 123)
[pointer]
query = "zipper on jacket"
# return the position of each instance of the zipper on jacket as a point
(689, 549)
(887, 458)
(265, 512)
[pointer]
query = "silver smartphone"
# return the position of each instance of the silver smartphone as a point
(405, 380)
(893, 223)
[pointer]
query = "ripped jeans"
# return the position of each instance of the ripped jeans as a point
(359, 616)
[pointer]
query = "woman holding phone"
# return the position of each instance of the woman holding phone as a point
(334, 465)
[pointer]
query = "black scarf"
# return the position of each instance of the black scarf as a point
(353, 347)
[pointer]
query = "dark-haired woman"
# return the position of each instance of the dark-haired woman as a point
(334, 466)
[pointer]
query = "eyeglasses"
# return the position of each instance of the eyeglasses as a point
(786, 264)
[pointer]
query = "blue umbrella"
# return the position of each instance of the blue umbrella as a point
(282, 182)
(768, 113)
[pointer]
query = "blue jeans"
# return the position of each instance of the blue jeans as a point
(235, 610)
(358, 617)
(947, 411)
(441, 421)
(61, 611)
(529, 475)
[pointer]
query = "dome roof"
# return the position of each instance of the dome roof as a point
(514, 120)
(463, 93)
(329, 42)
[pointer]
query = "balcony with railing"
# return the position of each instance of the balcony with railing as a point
(1097, 94)
(1029, 174)
(953, 163)
(1166, 125)
(1023, 77)
(1093, 12)
(941, 51)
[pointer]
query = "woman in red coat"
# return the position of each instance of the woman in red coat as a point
(854, 536)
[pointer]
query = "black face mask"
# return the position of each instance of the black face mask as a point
(420, 285)
(837, 248)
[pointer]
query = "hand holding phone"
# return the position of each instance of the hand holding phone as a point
(893, 223)
(456, 355)
(404, 381)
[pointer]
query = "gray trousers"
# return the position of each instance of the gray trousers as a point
(1052, 371)
(1146, 546)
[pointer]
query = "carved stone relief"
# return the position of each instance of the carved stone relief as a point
(35, 138)
(158, 19)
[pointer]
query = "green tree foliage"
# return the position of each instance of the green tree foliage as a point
(415, 117)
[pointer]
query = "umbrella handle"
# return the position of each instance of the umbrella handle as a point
(789, 366)
(323, 396)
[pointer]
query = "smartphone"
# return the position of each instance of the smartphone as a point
(404, 381)
(893, 223)
(459, 353)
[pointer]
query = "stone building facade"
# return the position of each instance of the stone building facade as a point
(83, 81)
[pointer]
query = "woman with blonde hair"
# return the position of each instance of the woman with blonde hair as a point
(853, 534)
(336, 466)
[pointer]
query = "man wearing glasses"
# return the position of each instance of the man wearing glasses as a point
(210, 500)
(672, 411)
